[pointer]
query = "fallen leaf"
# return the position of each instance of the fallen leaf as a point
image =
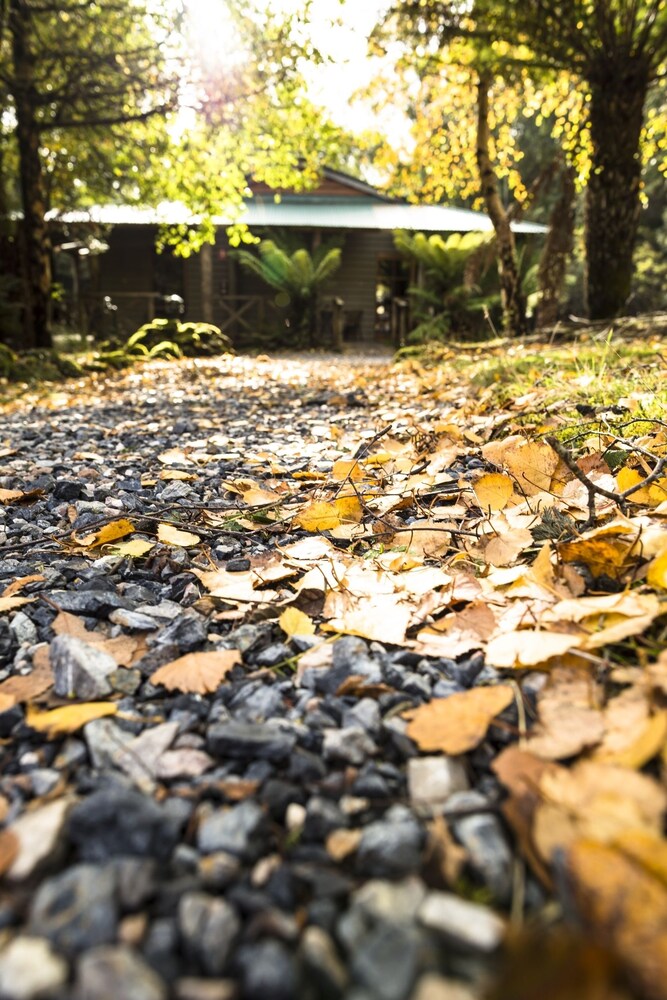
(9, 849)
(22, 582)
(10, 603)
(25, 687)
(171, 535)
(135, 548)
(197, 673)
(604, 554)
(656, 575)
(176, 474)
(174, 456)
(8, 496)
(460, 722)
(68, 719)
(324, 516)
(503, 549)
(123, 648)
(380, 618)
(606, 618)
(521, 772)
(346, 468)
(532, 463)
(624, 906)
(109, 533)
(526, 648)
(493, 491)
(295, 622)
(425, 537)
(569, 720)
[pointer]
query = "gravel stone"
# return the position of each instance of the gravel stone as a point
(249, 741)
(268, 971)
(462, 923)
(39, 835)
(208, 928)
(488, 850)
(240, 831)
(30, 969)
(385, 961)
(350, 746)
(390, 848)
(116, 971)
(433, 780)
(77, 909)
(117, 821)
(80, 670)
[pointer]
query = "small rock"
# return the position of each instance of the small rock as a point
(268, 971)
(273, 654)
(139, 758)
(77, 909)
(350, 656)
(295, 816)
(208, 928)
(40, 840)
(43, 780)
(125, 681)
(249, 741)
(434, 987)
(322, 963)
(68, 489)
(23, 628)
(117, 971)
(136, 881)
(432, 780)
(385, 961)
(191, 988)
(117, 821)
(133, 620)
(80, 670)
(464, 924)
(217, 871)
(240, 831)
(97, 603)
(185, 762)
(322, 816)
(104, 739)
(390, 902)
(351, 746)
(390, 849)
(488, 851)
(29, 969)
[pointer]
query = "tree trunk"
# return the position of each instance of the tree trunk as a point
(35, 242)
(513, 302)
(618, 94)
(557, 249)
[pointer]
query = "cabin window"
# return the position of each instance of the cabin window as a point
(393, 279)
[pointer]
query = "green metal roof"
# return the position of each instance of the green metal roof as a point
(310, 212)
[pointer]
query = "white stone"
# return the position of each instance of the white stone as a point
(30, 969)
(432, 780)
(467, 924)
(434, 987)
(39, 836)
(295, 816)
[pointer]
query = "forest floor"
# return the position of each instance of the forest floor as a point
(329, 677)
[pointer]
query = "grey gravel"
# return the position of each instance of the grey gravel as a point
(80, 670)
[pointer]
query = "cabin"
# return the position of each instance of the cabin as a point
(116, 276)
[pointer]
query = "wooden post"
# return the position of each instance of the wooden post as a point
(337, 322)
(206, 264)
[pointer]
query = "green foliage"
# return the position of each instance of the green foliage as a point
(297, 276)
(169, 337)
(459, 288)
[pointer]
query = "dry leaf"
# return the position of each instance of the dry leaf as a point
(624, 906)
(493, 491)
(528, 648)
(25, 687)
(9, 849)
(109, 533)
(125, 649)
(295, 622)
(603, 554)
(135, 548)
(170, 535)
(656, 575)
(607, 618)
(532, 463)
(382, 618)
(174, 456)
(22, 582)
(197, 673)
(324, 516)
(68, 719)
(503, 549)
(10, 603)
(521, 773)
(569, 719)
(8, 496)
(346, 468)
(460, 722)
(176, 474)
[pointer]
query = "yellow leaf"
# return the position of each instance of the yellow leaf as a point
(349, 508)
(532, 463)
(109, 533)
(68, 719)
(197, 673)
(174, 456)
(134, 548)
(459, 723)
(630, 477)
(170, 535)
(177, 474)
(318, 516)
(641, 746)
(346, 468)
(295, 622)
(657, 571)
(6, 496)
(256, 497)
(493, 491)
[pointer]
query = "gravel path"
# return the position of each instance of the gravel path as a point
(279, 836)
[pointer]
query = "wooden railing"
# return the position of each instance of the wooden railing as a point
(241, 313)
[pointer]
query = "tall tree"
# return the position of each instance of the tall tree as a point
(617, 49)
(69, 66)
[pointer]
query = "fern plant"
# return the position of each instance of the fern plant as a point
(297, 276)
(449, 300)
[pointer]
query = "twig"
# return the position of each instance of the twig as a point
(364, 448)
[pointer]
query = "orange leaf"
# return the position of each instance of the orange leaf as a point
(19, 584)
(109, 533)
(68, 719)
(197, 673)
(458, 723)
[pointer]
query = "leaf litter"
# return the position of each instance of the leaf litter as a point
(542, 557)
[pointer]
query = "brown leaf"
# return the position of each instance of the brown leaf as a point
(10, 603)
(125, 649)
(623, 906)
(460, 722)
(22, 582)
(197, 673)
(25, 687)
(9, 849)
(569, 719)
(532, 463)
